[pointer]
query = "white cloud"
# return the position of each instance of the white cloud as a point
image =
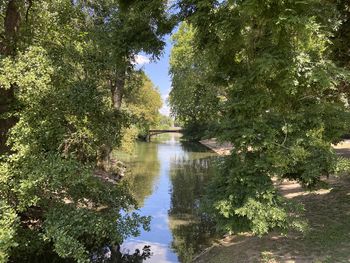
(141, 60)
(159, 251)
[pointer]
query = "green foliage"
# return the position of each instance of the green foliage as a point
(243, 198)
(144, 104)
(165, 122)
(194, 101)
(342, 35)
(54, 205)
(130, 135)
(8, 222)
(284, 102)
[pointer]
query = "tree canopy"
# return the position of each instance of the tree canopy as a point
(285, 102)
(65, 68)
(194, 101)
(269, 76)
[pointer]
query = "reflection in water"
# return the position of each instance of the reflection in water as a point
(144, 166)
(191, 230)
(168, 179)
(188, 177)
(158, 250)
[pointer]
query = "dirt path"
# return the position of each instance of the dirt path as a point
(328, 238)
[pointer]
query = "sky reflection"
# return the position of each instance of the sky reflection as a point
(173, 177)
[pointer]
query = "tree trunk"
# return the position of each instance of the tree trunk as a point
(6, 122)
(7, 48)
(117, 90)
(11, 25)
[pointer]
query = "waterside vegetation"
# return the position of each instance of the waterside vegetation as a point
(269, 77)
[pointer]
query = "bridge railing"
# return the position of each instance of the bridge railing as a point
(166, 130)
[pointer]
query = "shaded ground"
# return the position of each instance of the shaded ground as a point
(328, 239)
(343, 148)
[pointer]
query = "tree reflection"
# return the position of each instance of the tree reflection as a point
(143, 169)
(190, 228)
(190, 168)
(114, 255)
(195, 147)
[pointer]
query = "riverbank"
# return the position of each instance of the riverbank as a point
(221, 148)
(327, 240)
(224, 148)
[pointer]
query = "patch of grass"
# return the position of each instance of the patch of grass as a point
(329, 216)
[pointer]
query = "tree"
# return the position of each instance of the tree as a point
(194, 100)
(284, 103)
(56, 63)
(122, 30)
(165, 122)
(340, 48)
(144, 104)
(119, 30)
(342, 35)
(9, 34)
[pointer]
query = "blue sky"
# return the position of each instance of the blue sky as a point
(158, 72)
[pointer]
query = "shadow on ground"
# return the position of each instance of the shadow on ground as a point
(343, 152)
(328, 239)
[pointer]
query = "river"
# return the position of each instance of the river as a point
(168, 177)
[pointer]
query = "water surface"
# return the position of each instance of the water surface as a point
(168, 178)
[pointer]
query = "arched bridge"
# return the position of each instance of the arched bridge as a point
(158, 131)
